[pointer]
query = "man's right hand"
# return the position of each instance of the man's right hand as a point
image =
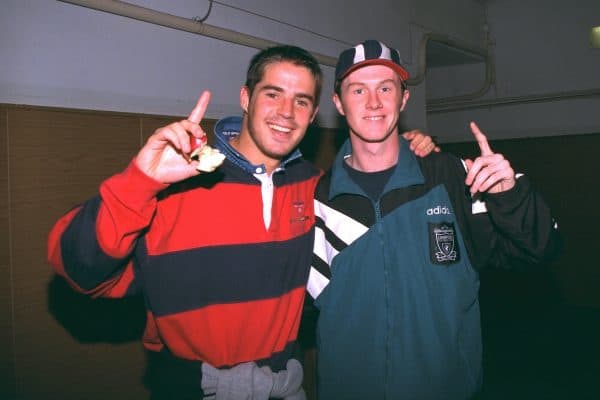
(420, 143)
(165, 156)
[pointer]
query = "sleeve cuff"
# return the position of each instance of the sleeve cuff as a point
(134, 186)
(512, 196)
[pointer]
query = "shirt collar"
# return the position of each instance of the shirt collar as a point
(407, 172)
(230, 127)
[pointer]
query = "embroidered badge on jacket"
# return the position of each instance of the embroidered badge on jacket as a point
(443, 244)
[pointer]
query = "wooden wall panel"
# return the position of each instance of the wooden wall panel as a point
(7, 377)
(57, 159)
(321, 145)
(149, 124)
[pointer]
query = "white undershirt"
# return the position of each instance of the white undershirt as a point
(266, 186)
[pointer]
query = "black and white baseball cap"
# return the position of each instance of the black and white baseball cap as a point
(369, 52)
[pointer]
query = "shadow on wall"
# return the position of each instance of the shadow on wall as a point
(96, 320)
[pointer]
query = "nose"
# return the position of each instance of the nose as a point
(373, 102)
(286, 107)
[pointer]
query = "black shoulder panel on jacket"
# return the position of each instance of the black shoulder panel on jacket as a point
(359, 207)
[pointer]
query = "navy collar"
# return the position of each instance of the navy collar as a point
(230, 127)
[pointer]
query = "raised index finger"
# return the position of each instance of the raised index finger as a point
(486, 150)
(198, 112)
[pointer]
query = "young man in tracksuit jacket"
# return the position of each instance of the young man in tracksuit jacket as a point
(398, 244)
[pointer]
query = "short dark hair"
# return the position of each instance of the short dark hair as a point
(293, 54)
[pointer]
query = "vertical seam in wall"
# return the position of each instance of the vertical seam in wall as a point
(13, 385)
(141, 138)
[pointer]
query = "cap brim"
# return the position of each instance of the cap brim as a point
(404, 75)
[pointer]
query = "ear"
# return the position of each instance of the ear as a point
(405, 97)
(338, 103)
(314, 114)
(244, 98)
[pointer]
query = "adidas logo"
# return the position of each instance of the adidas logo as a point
(439, 210)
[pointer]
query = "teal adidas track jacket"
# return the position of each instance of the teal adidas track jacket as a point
(396, 281)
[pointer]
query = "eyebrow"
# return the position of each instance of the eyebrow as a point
(298, 95)
(360, 83)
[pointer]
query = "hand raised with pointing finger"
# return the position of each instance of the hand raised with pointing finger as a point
(164, 157)
(490, 172)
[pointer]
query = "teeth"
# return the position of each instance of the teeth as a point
(280, 128)
(374, 118)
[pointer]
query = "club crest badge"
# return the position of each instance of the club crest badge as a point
(298, 212)
(443, 244)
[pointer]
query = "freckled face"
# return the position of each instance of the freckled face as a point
(278, 113)
(372, 98)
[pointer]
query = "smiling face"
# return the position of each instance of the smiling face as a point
(372, 98)
(277, 113)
